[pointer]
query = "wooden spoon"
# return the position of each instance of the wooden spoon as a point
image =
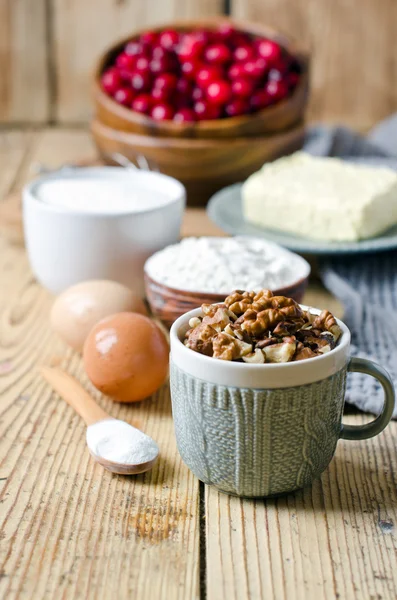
(75, 395)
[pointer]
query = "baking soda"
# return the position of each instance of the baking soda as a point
(119, 442)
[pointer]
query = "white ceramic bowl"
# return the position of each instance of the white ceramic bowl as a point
(67, 245)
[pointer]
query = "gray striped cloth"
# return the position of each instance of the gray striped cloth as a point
(366, 284)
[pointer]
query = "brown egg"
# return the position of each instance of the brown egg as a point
(80, 307)
(126, 356)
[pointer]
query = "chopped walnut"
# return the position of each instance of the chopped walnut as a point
(200, 339)
(280, 353)
(217, 320)
(326, 321)
(304, 353)
(194, 322)
(256, 357)
(259, 327)
(228, 348)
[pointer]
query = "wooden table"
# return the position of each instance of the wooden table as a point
(70, 530)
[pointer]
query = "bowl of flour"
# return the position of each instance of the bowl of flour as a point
(99, 223)
(207, 269)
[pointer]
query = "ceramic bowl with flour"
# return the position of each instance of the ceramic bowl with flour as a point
(99, 223)
(205, 270)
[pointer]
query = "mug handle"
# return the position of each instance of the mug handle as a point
(363, 432)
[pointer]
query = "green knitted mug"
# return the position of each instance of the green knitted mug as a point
(262, 430)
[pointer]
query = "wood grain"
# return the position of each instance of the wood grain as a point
(354, 61)
(334, 540)
(24, 83)
(69, 530)
(106, 21)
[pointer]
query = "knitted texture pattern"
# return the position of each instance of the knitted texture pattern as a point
(366, 284)
(256, 442)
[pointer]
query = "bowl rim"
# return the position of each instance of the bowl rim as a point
(217, 296)
(196, 143)
(249, 375)
(30, 191)
(301, 52)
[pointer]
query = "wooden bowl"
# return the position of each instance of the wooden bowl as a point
(167, 304)
(275, 118)
(203, 165)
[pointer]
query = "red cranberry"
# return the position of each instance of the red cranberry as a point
(269, 49)
(162, 94)
(189, 69)
(240, 39)
(243, 53)
(166, 81)
(219, 92)
(242, 88)
(111, 81)
(237, 71)
(259, 100)
(275, 75)
(133, 48)
(183, 86)
(141, 81)
(184, 115)
(204, 110)
(125, 61)
(142, 103)
(207, 75)
(169, 38)
(277, 90)
(142, 64)
(254, 68)
(149, 38)
(197, 94)
(237, 107)
(124, 96)
(217, 54)
(226, 30)
(161, 112)
(204, 36)
(162, 65)
(190, 47)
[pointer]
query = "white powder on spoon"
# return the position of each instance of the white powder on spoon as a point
(221, 265)
(119, 442)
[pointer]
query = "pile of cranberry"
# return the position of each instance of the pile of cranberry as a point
(201, 74)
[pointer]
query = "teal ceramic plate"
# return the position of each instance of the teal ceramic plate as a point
(225, 210)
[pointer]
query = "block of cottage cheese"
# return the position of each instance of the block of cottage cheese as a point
(321, 198)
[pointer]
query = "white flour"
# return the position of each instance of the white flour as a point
(119, 442)
(221, 265)
(90, 194)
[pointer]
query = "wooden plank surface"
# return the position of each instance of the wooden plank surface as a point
(82, 30)
(354, 57)
(69, 530)
(24, 84)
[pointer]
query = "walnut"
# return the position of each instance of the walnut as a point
(234, 331)
(228, 348)
(262, 300)
(200, 339)
(218, 319)
(304, 353)
(257, 323)
(256, 357)
(194, 322)
(280, 353)
(239, 301)
(288, 328)
(267, 342)
(326, 321)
